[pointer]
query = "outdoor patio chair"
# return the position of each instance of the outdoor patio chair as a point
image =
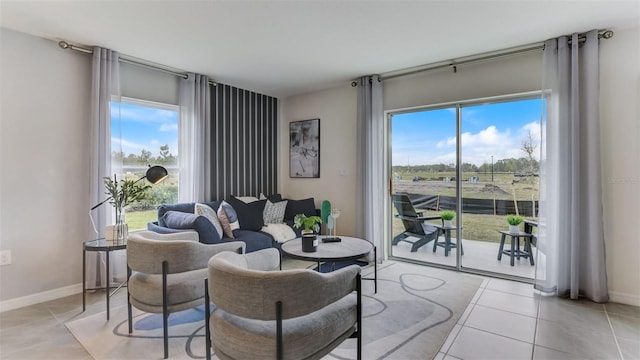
(417, 231)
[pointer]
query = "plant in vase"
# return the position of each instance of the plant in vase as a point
(447, 217)
(514, 223)
(123, 193)
(310, 225)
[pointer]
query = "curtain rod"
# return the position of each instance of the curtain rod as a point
(133, 61)
(602, 34)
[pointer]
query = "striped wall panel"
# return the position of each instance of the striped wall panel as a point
(244, 142)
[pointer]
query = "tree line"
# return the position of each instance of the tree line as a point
(145, 157)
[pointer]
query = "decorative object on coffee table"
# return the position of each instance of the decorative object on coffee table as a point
(311, 226)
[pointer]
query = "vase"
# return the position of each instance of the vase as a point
(514, 229)
(309, 243)
(120, 230)
(447, 223)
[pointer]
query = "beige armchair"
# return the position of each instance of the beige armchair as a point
(166, 273)
(291, 314)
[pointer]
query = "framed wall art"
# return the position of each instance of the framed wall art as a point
(304, 149)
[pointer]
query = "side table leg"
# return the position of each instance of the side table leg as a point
(501, 248)
(375, 270)
(108, 290)
(513, 240)
(84, 278)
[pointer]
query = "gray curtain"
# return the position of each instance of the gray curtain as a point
(571, 256)
(105, 88)
(194, 139)
(370, 156)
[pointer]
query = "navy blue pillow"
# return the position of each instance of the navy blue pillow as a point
(250, 215)
(182, 207)
(184, 221)
(295, 207)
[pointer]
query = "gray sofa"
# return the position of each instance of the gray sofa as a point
(180, 217)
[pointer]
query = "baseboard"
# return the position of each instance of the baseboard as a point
(37, 298)
(623, 298)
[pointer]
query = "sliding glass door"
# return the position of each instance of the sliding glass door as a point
(478, 159)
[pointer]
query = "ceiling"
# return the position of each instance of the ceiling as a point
(281, 48)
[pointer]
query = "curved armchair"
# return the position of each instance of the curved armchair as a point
(289, 314)
(166, 273)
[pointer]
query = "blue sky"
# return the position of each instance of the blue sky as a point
(498, 129)
(144, 127)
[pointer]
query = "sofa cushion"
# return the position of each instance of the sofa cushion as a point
(274, 212)
(304, 206)
(250, 215)
(206, 211)
(182, 207)
(273, 198)
(181, 220)
(228, 219)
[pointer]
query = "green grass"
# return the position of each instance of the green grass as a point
(137, 220)
(475, 226)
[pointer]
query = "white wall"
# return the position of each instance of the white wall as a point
(44, 156)
(337, 113)
(620, 129)
(44, 152)
(620, 96)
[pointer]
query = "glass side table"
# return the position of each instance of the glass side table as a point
(100, 245)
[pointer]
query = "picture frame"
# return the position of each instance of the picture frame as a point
(304, 149)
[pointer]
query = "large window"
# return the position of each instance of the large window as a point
(145, 133)
(477, 158)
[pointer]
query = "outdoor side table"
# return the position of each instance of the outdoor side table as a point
(100, 245)
(447, 244)
(515, 251)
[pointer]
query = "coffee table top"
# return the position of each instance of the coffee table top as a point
(349, 248)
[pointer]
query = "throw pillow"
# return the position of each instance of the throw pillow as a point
(246, 199)
(295, 207)
(228, 219)
(209, 213)
(273, 198)
(250, 215)
(274, 212)
(186, 221)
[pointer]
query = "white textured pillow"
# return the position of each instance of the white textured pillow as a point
(206, 211)
(274, 212)
(247, 199)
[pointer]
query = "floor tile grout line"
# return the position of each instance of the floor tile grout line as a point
(613, 332)
(496, 334)
(507, 311)
(535, 329)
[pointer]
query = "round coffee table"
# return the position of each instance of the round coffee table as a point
(349, 248)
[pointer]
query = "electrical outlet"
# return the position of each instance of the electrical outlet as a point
(5, 257)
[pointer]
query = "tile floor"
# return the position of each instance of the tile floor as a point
(508, 320)
(505, 320)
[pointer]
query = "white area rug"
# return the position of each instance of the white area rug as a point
(409, 318)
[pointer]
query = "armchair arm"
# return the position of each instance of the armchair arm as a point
(302, 291)
(190, 235)
(264, 260)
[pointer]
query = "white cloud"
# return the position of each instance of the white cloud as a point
(477, 148)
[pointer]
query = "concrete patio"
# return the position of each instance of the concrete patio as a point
(481, 255)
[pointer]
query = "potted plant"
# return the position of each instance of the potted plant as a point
(514, 223)
(123, 193)
(310, 225)
(447, 217)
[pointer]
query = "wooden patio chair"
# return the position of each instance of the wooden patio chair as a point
(417, 231)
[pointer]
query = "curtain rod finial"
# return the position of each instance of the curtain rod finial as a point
(607, 34)
(63, 44)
